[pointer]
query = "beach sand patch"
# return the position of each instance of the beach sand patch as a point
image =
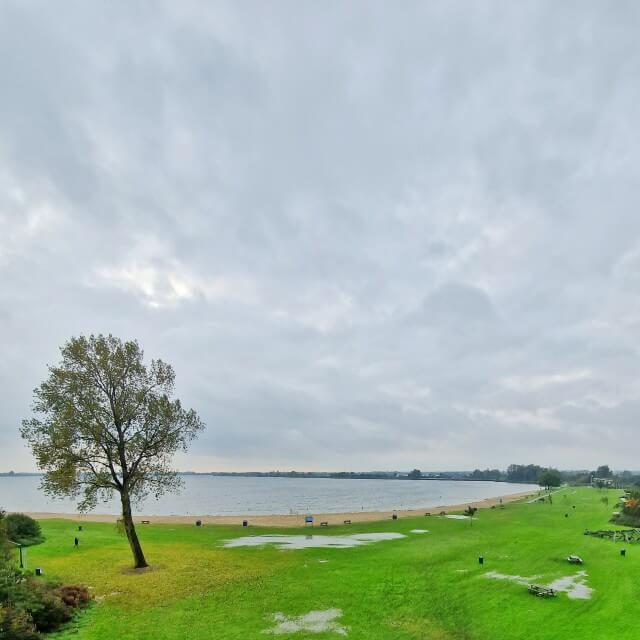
(574, 586)
(312, 622)
(312, 541)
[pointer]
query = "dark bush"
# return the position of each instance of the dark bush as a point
(16, 624)
(47, 609)
(51, 604)
(74, 595)
(23, 529)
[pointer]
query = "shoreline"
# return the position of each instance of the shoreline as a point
(289, 520)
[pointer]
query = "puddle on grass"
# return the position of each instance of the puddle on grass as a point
(519, 579)
(312, 622)
(574, 586)
(312, 541)
(419, 531)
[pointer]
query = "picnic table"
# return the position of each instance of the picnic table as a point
(541, 592)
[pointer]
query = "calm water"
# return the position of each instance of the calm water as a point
(217, 495)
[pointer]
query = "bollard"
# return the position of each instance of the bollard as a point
(623, 552)
(76, 542)
(481, 560)
(198, 523)
(38, 571)
(245, 523)
(394, 516)
(79, 527)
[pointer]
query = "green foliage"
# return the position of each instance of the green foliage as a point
(51, 605)
(106, 422)
(549, 478)
(22, 529)
(523, 473)
(487, 474)
(16, 624)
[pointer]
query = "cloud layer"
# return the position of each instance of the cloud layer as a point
(366, 237)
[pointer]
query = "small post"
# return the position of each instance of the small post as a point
(623, 552)
(38, 571)
(76, 542)
(21, 559)
(245, 523)
(480, 559)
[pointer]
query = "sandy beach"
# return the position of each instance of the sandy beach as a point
(296, 520)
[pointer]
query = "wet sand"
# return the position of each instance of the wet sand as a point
(287, 520)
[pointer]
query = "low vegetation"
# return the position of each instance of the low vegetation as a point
(630, 510)
(22, 529)
(29, 606)
(424, 586)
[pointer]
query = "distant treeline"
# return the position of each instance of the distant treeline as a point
(531, 473)
(517, 473)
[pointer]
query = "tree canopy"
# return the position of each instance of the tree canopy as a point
(549, 478)
(104, 422)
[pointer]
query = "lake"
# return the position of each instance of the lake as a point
(223, 495)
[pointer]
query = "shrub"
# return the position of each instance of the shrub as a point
(74, 595)
(29, 606)
(47, 608)
(49, 605)
(16, 624)
(23, 529)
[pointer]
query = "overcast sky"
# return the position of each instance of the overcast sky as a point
(366, 235)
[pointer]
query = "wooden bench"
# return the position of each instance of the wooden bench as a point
(541, 592)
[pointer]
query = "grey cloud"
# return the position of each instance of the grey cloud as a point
(366, 237)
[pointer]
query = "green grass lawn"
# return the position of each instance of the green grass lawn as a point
(425, 586)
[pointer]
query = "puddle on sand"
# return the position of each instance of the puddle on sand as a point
(312, 541)
(574, 586)
(313, 622)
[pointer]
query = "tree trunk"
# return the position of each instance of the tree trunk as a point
(132, 536)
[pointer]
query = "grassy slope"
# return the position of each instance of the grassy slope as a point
(427, 586)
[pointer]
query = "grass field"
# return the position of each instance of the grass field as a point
(425, 586)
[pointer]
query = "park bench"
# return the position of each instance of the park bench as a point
(540, 591)
(145, 521)
(324, 524)
(347, 522)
